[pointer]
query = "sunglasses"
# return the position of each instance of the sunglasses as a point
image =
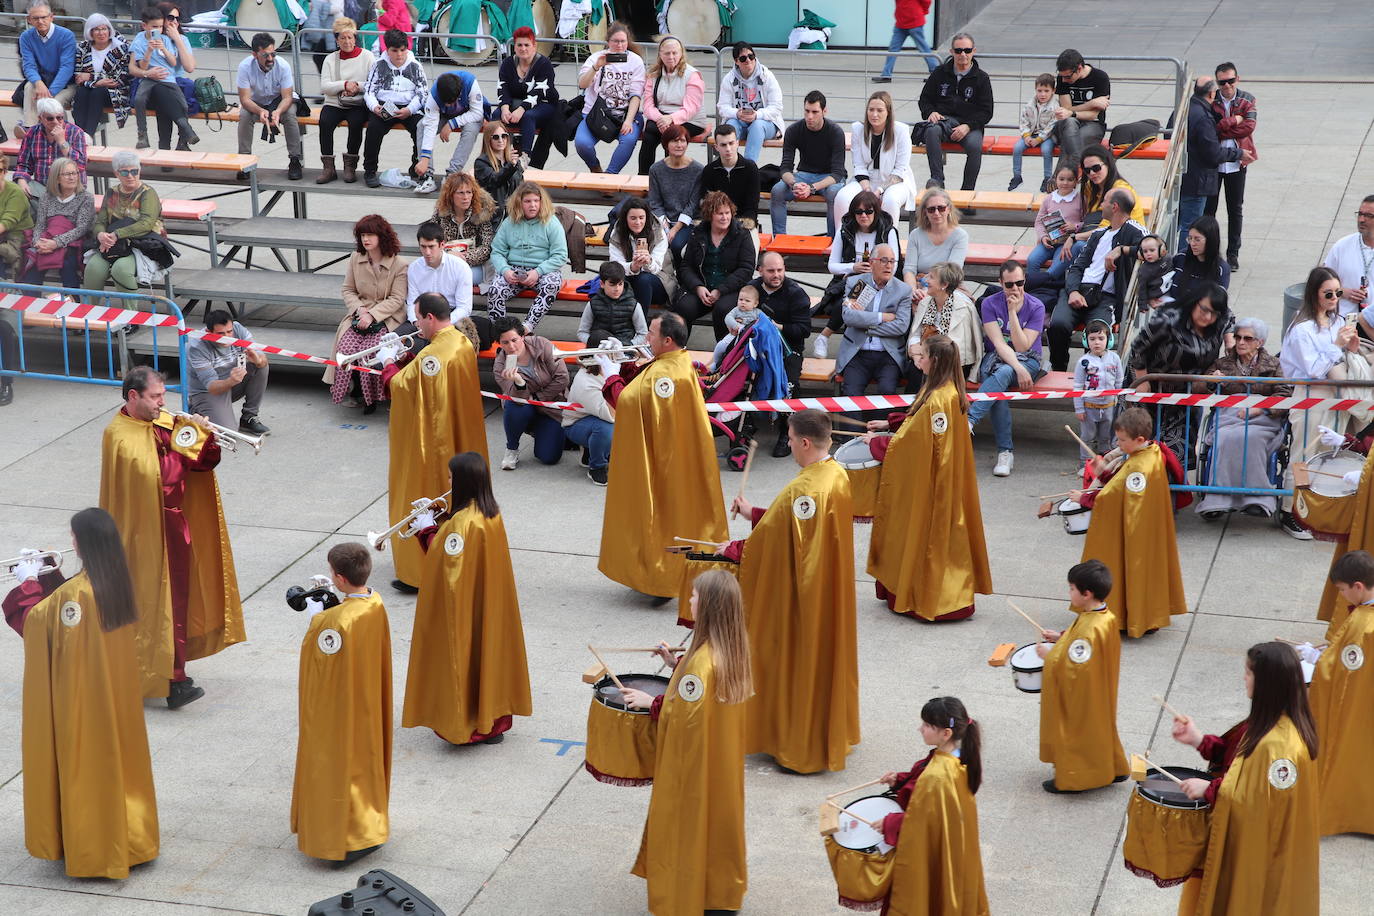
(500, 136)
(1360, 214)
(1013, 284)
(127, 173)
(1230, 82)
(1332, 293)
(1093, 169)
(962, 50)
(937, 208)
(865, 211)
(1246, 337)
(54, 117)
(745, 58)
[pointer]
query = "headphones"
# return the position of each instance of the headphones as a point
(1094, 325)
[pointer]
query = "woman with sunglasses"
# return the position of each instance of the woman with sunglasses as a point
(937, 238)
(1099, 177)
(864, 227)
(499, 170)
(130, 210)
(750, 101)
(612, 79)
(528, 97)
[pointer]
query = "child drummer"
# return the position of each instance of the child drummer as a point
(1078, 693)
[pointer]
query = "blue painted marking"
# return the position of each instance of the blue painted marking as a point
(566, 744)
(352, 426)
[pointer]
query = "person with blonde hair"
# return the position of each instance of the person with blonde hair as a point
(880, 159)
(342, 77)
(937, 237)
(673, 94)
(943, 308)
(499, 168)
(65, 214)
(529, 252)
(466, 213)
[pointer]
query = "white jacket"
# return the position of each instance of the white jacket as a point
(770, 111)
(659, 262)
(894, 163)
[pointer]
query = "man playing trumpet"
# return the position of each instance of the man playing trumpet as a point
(157, 480)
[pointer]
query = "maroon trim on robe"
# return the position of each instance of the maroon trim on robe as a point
(1172, 469)
(1219, 752)
(883, 594)
(389, 372)
(425, 537)
(25, 596)
(734, 550)
(500, 726)
(877, 446)
(613, 386)
(656, 708)
(906, 784)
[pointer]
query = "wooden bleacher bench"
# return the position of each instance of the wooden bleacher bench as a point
(199, 162)
(197, 211)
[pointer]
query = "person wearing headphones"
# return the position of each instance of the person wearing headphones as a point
(1099, 368)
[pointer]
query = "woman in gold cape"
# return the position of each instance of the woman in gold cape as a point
(88, 776)
(468, 675)
(1332, 609)
(939, 867)
(1263, 844)
(692, 853)
(927, 551)
(1342, 698)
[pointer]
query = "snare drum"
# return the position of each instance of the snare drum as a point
(865, 473)
(1076, 518)
(1324, 505)
(1027, 669)
(859, 859)
(620, 741)
(1166, 831)
(695, 565)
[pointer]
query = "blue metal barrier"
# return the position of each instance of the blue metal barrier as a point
(106, 338)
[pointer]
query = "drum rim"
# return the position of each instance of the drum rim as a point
(1316, 461)
(1015, 667)
(874, 850)
(871, 463)
(1197, 804)
(607, 682)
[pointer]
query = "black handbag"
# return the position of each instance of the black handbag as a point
(601, 121)
(122, 247)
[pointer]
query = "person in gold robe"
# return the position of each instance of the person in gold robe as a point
(1263, 843)
(927, 550)
(157, 480)
(938, 869)
(1342, 698)
(88, 776)
(342, 788)
(1361, 532)
(665, 481)
(1132, 527)
(468, 676)
(1078, 689)
(797, 575)
(436, 413)
(692, 853)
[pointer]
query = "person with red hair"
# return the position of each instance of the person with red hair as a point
(528, 97)
(374, 292)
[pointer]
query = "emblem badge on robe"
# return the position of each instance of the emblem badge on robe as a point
(1283, 773)
(70, 614)
(1352, 657)
(430, 365)
(1135, 482)
(453, 544)
(804, 507)
(1080, 650)
(939, 423)
(664, 387)
(329, 641)
(690, 688)
(1299, 504)
(186, 436)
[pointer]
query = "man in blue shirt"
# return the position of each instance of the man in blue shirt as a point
(47, 56)
(1012, 323)
(267, 97)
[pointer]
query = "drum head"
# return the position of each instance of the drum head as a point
(545, 25)
(694, 22)
(855, 834)
(254, 16)
(1026, 659)
(608, 694)
(1164, 791)
(1342, 462)
(482, 51)
(854, 454)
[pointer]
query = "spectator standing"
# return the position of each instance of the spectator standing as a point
(718, 260)
(675, 187)
(1205, 153)
(15, 217)
(1037, 126)
(1237, 118)
(527, 366)
(455, 103)
(55, 138)
(673, 94)
(612, 312)
(591, 426)
(220, 374)
(267, 98)
(1351, 259)
(374, 295)
(909, 20)
(1012, 324)
(102, 75)
(881, 157)
(65, 213)
(614, 79)
(812, 163)
(499, 168)
(342, 76)
(877, 317)
(394, 15)
(1098, 369)
(324, 16)
(395, 93)
(1085, 94)
(734, 176)
(129, 210)
(936, 238)
(639, 242)
(47, 58)
(785, 302)
(956, 103)
(528, 97)
(158, 56)
(529, 252)
(750, 100)
(466, 213)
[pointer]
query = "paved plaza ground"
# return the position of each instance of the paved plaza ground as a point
(520, 828)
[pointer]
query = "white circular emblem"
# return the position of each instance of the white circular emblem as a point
(1080, 650)
(690, 688)
(453, 544)
(1135, 482)
(1283, 773)
(1299, 504)
(430, 365)
(186, 436)
(70, 614)
(664, 387)
(1352, 657)
(804, 507)
(939, 423)
(329, 641)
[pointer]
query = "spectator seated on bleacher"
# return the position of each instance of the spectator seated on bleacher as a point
(742, 316)
(735, 176)
(267, 101)
(395, 93)
(342, 76)
(944, 308)
(438, 271)
(1093, 287)
(374, 296)
(750, 100)
(812, 163)
(674, 93)
(15, 218)
(675, 187)
(499, 169)
(529, 252)
(593, 425)
(616, 86)
(1085, 94)
(1012, 325)
(1059, 217)
(1200, 261)
(528, 366)
(612, 311)
(718, 260)
(158, 57)
(1037, 125)
(936, 238)
(529, 97)
(47, 58)
(466, 213)
(783, 300)
(880, 159)
(455, 103)
(1100, 176)
(65, 213)
(218, 374)
(128, 222)
(638, 241)
(864, 226)
(956, 103)
(102, 75)
(877, 317)
(54, 138)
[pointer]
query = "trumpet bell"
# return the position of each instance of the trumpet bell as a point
(378, 540)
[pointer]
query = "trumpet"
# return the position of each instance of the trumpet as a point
(630, 352)
(347, 359)
(227, 438)
(378, 539)
(54, 555)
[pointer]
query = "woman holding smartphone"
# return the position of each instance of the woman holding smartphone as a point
(612, 78)
(639, 240)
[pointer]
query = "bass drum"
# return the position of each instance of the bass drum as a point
(694, 22)
(254, 16)
(546, 26)
(483, 50)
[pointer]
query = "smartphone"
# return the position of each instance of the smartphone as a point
(617, 57)
(641, 244)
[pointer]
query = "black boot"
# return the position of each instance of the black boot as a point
(183, 692)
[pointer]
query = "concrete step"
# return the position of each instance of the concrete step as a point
(309, 234)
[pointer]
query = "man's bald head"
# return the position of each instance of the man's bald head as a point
(773, 270)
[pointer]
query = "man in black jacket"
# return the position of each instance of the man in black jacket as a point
(1205, 153)
(788, 304)
(736, 176)
(1096, 283)
(956, 103)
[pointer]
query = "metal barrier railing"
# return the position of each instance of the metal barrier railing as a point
(101, 355)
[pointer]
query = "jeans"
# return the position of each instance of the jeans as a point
(1189, 209)
(648, 288)
(72, 269)
(782, 194)
(331, 116)
(999, 376)
(1040, 254)
(1074, 135)
(753, 135)
(918, 38)
(932, 135)
(1233, 184)
(1046, 150)
(594, 434)
(219, 408)
(519, 419)
(534, 119)
(624, 146)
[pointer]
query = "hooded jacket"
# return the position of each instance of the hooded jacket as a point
(967, 98)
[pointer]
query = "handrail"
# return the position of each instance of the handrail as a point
(1265, 379)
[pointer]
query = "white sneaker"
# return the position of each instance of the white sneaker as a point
(512, 459)
(821, 346)
(426, 185)
(1003, 466)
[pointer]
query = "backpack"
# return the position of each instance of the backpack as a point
(210, 97)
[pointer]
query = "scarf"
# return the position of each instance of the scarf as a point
(349, 55)
(936, 321)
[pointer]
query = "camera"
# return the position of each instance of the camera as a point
(296, 596)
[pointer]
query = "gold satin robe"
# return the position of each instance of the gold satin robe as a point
(665, 479)
(1332, 607)
(467, 650)
(131, 491)
(1078, 732)
(1132, 531)
(343, 756)
(1263, 846)
(1342, 698)
(939, 867)
(797, 576)
(434, 415)
(692, 852)
(88, 776)
(927, 545)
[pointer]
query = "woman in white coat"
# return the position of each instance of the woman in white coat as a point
(880, 160)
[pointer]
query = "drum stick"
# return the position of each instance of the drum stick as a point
(1165, 703)
(1324, 473)
(1293, 642)
(876, 825)
(696, 541)
(744, 478)
(848, 432)
(862, 785)
(1068, 429)
(841, 418)
(638, 649)
(1029, 618)
(1162, 771)
(1066, 493)
(606, 666)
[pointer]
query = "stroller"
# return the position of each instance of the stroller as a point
(751, 369)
